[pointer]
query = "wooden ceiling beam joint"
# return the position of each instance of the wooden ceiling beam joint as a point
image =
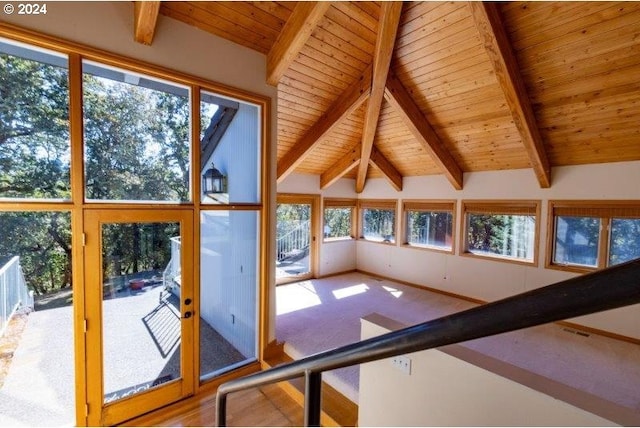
(417, 123)
(346, 104)
(145, 18)
(341, 167)
(385, 42)
(302, 22)
(497, 45)
(383, 164)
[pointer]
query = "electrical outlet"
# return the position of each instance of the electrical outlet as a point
(402, 363)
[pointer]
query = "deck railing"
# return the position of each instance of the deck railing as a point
(171, 275)
(598, 291)
(295, 242)
(14, 292)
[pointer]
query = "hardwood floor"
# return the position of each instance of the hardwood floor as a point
(267, 406)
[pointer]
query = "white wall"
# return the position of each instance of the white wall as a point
(335, 256)
(228, 279)
(491, 280)
(444, 390)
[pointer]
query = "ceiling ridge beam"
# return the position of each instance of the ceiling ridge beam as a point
(418, 124)
(293, 37)
(345, 164)
(385, 41)
(496, 43)
(383, 164)
(145, 18)
(346, 104)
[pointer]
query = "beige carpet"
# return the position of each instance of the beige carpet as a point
(316, 315)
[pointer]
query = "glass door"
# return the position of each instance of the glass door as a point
(295, 237)
(139, 311)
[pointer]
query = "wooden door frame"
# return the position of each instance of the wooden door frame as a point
(314, 255)
(110, 414)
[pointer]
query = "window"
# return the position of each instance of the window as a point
(34, 123)
(378, 219)
(230, 147)
(136, 132)
(338, 219)
(589, 235)
(502, 230)
(429, 224)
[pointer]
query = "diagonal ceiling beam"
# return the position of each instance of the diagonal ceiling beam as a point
(496, 43)
(346, 104)
(387, 30)
(378, 160)
(341, 167)
(145, 17)
(292, 38)
(398, 96)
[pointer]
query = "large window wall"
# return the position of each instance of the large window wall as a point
(82, 131)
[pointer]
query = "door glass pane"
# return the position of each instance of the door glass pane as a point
(229, 150)
(229, 278)
(34, 123)
(293, 240)
(37, 375)
(141, 307)
(136, 132)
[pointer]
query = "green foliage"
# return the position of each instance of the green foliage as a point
(290, 216)
(136, 148)
(506, 235)
(429, 228)
(337, 222)
(625, 240)
(379, 224)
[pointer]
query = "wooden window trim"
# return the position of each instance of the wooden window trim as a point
(377, 204)
(77, 206)
(341, 203)
(448, 206)
(500, 207)
(605, 210)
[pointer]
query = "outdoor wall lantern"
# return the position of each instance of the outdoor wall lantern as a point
(213, 182)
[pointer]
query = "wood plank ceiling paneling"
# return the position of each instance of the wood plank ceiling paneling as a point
(579, 63)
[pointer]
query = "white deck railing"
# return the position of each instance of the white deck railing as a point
(171, 276)
(294, 242)
(14, 292)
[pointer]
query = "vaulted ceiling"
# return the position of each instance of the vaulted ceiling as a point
(397, 89)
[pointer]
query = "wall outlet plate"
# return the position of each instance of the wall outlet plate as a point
(402, 363)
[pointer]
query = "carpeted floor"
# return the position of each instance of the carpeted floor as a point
(317, 315)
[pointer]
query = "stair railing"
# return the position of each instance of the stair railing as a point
(610, 288)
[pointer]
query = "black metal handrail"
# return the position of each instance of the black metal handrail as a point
(598, 291)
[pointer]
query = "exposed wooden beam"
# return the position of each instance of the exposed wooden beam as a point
(292, 38)
(496, 43)
(338, 111)
(340, 168)
(398, 96)
(145, 17)
(387, 30)
(378, 160)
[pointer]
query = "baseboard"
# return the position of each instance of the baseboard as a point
(576, 326)
(344, 272)
(424, 287)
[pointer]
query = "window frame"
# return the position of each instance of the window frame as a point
(426, 205)
(78, 206)
(500, 207)
(605, 211)
(379, 204)
(349, 203)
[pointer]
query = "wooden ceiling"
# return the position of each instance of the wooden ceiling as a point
(391, 89)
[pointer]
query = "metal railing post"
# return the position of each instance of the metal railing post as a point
(221, 409)
(312, 398)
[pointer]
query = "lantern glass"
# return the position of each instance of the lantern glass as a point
(214, 182)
